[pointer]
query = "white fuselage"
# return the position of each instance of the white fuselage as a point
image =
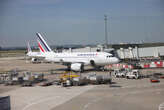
(34, 54)
(99, 58)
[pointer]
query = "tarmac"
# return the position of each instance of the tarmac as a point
(140, 96)
(20, 63)
(42, 98)
(123, 94)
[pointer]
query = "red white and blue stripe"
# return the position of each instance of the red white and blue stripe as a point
(42, 44)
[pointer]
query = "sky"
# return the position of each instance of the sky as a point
(80, 21)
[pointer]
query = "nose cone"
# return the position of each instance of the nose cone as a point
(116, 60)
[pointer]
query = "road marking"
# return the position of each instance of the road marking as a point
(89, 103)
(40, 101)
(53, 100)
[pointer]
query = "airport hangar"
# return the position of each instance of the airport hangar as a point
(132, 51)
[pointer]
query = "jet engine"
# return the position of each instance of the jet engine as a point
(92, 62)
(77, 67)
(34, 59)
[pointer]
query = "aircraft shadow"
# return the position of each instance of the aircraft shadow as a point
(114, 84)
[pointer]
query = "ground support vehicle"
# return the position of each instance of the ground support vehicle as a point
(134, 74)
(119, 73)
(46, 83)
(154, 79)
(79, 81)
(99, 79)
(27, 84)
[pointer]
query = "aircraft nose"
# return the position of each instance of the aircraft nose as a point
(117, 60)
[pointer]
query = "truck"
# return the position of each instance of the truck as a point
(120, 73)
(134, 74)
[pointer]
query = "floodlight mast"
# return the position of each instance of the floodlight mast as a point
(106, 32)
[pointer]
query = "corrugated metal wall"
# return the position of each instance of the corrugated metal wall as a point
(5, 103)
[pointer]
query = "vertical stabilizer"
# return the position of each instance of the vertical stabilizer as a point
(28, 47)
(40, 47)
(43, 46)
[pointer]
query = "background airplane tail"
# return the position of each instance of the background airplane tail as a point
(28, 47)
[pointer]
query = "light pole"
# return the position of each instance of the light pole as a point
(106, 32)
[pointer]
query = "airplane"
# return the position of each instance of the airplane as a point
(75, 60)
(35, 56)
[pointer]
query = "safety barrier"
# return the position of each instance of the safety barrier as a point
(155, 64)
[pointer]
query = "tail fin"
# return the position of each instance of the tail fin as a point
(28, 47)
(43, 46)
(40, 47)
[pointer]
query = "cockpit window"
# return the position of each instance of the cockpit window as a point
(108, 56)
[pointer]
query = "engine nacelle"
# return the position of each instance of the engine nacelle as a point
(76, 67)
(92, 62)
(34, 60)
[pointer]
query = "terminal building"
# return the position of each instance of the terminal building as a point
(147, 52)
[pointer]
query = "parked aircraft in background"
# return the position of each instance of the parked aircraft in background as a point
(75, 60)
(35, 56)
